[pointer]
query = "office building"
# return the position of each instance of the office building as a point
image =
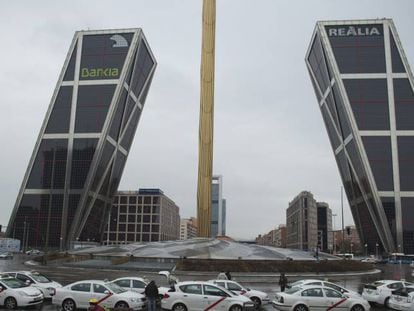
(218, 208)
(188, 228)
(275, 237)
(301, 222)
(85, 139)
(146, 215)
(364, 87)
(325, 233)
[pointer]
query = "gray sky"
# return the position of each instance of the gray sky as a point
(270, 140)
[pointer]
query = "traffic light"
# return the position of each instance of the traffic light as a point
(348, 230)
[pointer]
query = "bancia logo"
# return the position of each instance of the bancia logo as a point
(120, 41)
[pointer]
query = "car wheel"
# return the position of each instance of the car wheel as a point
(68, 305)
(358, 308)
(179, 307)
(256, 301)
(121, 305)
(387, 303)
(236, 308)
(10, 303)
(301, 308)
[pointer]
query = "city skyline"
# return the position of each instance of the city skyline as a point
(257, 103)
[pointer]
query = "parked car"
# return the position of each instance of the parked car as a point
(402, 299)
(317, 298)
(256, 296)
(137, 284)
(78, 294)
(341, 289)
(6, 255)
(15, 293)
(33, 252)
(370, 260)
(380, 291)
(36, 279)
(198, 296)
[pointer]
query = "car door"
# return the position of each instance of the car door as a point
(192, 296)
(335, 298)
(215, 298)
(138, 286)
(315, 299)
(99, 292)
(81, 293)
(3, 293)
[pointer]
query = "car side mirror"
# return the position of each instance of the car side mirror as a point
(248, 289)
(345, 295)
(28, 282)
(107, 292)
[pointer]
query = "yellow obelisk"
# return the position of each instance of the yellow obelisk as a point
(205, 140)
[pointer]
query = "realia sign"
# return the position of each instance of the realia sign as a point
(354, 30)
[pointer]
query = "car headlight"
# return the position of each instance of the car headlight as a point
(133, 299)
(21, 293)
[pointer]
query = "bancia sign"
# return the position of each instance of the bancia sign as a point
(354, 31)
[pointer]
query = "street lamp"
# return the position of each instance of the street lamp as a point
(61, 245)
(376, 249)
(351, 247)
(399, 248)
(366, 250)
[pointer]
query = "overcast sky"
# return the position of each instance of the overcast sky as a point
(270, 140)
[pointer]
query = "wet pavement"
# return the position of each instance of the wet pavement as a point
(66, 275)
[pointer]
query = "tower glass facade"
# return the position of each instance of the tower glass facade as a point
(85, 139)
(364, 88)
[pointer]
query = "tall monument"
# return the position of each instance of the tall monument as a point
(205, 145)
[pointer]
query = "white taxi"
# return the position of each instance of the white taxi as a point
(199, 296)
(109, 295)
(316, 282)
(36, 279)
(402, 299)
(380, 291)
(317, 298)
(256, 296)
(15, 293)
(137, 284)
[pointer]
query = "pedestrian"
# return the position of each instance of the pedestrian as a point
(228, 275)
(222, 276)
(151, 292)
(282, 281)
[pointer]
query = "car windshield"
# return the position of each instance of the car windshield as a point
(292, 290)
(14, 283)
(378, 283)
(297, 283)
(40, 278)
(116, 289)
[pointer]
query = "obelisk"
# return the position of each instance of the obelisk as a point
(205, 141)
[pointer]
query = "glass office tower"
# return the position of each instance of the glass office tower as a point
(85, 139)
(364, 87)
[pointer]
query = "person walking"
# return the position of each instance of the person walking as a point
(282, 281)
(151, 292)
(228, 275)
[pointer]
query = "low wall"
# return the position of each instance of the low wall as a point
(217, 265)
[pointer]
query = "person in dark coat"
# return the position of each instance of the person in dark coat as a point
(228, 275)
(151, 292)
(283, 281)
